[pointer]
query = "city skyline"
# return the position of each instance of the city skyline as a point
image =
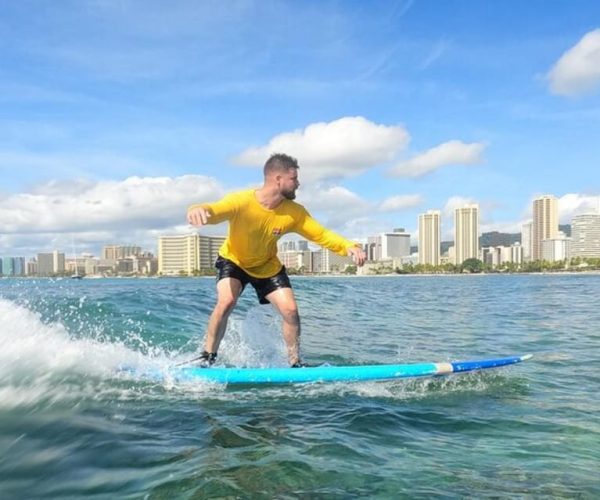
(107, 249)
(117, 116)
(194, 254)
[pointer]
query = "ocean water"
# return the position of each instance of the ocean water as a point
(73, 426)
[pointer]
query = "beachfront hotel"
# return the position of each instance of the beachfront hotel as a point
(466, 233)
(386, 246)
(185, 254)
(585, 236)
(545, 224)
(430, 237)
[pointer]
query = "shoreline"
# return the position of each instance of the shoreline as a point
(595, 272)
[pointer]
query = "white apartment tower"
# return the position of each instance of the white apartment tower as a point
(430, 237)
(395, 244)
(466, 233)
(585, 236)
(187, 253)
(387, 246)
(555, 249)
(526, 240)
(545, 223)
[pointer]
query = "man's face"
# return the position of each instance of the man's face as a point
(289, 183)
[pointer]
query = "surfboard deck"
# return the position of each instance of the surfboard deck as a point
(324, 373)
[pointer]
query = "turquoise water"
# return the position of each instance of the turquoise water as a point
(71, 426)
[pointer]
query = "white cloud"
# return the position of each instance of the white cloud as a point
(360, 228)
(448, 153)
(136, 210)
(578, 69)
(334, 206)
(132, 204)
(401, 202)
(569, 205)
(337, 149)
(573, 204)
(332, 199)
(455, 202)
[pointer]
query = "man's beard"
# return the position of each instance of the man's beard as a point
(289, 195)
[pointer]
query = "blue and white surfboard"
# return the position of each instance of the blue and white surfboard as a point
(324, 373)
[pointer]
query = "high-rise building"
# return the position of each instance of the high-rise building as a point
(516, 253)
(316, 263)
(287, 246)
(545, 223)
(496, 256)
(116, 252)
(466, 233)
(296, 259)
(32, 267)
(293, 246)
(19, 266)
(303, 246)
(7, 266)
(209, 250)
(585, 236)
(187, 253)
(526, 240)
(395, 244)
(332, 262)
(430, 237)
(50, 264)
(387, 246)
(110, 252)
(555, 249)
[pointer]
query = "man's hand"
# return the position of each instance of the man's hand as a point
(198, 216)
(358, 256)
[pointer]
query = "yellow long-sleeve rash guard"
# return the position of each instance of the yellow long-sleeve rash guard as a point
(254, 230)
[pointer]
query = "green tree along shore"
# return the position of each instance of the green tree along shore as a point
(474, 266)
(477, 266)
(469, 266)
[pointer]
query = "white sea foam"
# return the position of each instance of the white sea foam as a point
(31, 346)
(41, 363)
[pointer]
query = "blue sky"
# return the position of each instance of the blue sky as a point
(116, 115)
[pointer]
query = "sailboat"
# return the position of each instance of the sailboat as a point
(76, 275)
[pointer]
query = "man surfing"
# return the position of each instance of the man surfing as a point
(257, 219)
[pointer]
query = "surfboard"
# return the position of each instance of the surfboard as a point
(325, 373)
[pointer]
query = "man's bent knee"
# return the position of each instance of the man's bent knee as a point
(291, 316)
(225, 305)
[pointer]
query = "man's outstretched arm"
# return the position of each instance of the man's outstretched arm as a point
(358, 255)
(315, 232)
(199, 214)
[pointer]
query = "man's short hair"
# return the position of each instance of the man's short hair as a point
(280, 162)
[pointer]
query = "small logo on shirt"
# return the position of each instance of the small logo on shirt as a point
(277, 231)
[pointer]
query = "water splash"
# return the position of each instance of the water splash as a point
(43, 364)
(43, 361)
(254, 340)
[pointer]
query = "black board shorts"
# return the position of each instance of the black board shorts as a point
(263, 286)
